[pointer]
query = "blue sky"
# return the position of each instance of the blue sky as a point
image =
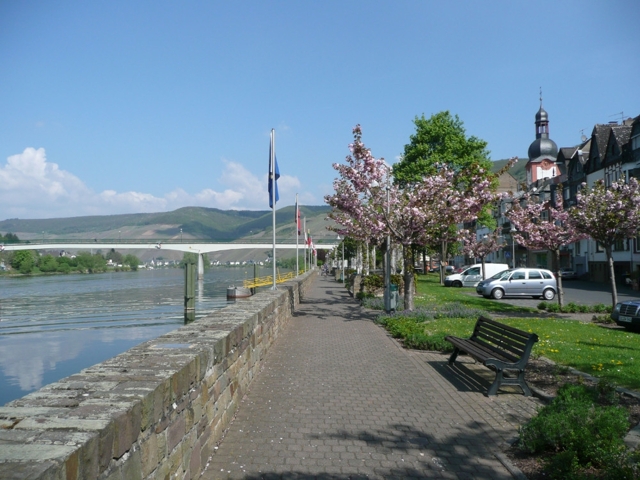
(127, 107)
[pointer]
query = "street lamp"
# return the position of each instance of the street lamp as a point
(513, 247)
(180, 235)
(342, 259)
(387, 271)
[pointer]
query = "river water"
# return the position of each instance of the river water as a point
(54, 326)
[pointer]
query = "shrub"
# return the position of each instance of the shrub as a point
(553, 307)
(542, 306)
(373, 282)
(601, 308)
(570, 308)
(576, 430)
(362, 295)
(422, 341)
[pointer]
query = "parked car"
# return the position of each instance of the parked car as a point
(471, 275)
(568, 273)
(520, 282)
(627, 314)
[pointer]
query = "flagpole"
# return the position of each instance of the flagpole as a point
(304, 229)
(272, 172)
(296, 234)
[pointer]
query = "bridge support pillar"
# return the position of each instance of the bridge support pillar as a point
(200, 267)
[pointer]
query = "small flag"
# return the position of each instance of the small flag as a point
(273, 172)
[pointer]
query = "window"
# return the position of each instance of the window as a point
(535, 275)
(518, 275)
(546, 275)
(473, 271)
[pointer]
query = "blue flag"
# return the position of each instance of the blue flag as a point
(273, 172)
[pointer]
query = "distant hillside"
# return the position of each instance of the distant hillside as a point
(190, 222)
(517, 170)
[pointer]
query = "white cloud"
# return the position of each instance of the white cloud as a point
(32, 187)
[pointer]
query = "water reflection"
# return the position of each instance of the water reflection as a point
(52, 327)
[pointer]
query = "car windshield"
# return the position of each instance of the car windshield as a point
(501, 275)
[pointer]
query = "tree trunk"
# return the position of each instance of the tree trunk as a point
(612, 276)
(425, 268)
(408, 279)
(484, 270)
(556, 270)
(443, 260)
(366, 258)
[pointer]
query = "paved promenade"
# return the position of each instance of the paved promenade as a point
(338, 398)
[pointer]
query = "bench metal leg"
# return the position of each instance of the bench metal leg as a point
(493, 389)
(454, 355)
(500, 380)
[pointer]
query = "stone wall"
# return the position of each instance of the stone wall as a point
(155, 411)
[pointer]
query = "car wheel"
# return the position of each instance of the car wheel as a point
(497, 293)
(457, 283)
(549, 294)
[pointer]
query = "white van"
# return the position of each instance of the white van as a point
(472, 275)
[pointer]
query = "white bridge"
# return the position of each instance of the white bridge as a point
(197, 248)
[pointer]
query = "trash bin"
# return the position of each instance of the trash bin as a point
(393, 296)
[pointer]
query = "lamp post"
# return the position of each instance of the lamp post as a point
(513, 247)
(342, 261)
(387, 270)
(180, 235)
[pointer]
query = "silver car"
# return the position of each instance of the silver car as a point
(520, 282)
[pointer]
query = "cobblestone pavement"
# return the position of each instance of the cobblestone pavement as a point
(338, 398)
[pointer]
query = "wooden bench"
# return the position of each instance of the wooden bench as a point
(499, 347)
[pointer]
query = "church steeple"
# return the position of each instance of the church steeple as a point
(542, 121)
(542, 146)
(543, 152)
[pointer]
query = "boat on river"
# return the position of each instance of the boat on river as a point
(238, 292)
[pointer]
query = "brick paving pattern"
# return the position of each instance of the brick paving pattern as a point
(338, 398)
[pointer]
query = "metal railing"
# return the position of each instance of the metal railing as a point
(268, 280)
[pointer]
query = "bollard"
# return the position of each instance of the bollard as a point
(189, 287)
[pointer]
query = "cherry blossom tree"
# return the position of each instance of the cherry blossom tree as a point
(366, 204)
(544, 226)
(481, 247)
(608, 215)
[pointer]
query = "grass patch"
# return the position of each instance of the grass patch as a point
(611, 354)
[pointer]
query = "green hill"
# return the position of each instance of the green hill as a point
(517, 170)
(210, 224)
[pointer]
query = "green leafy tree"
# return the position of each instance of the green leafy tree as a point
(115, 257)
(438, 141)
(441, 141)
(24, 261)
(48, 264)
(190, 257)
(91, 263)
(132, 261)
(9, 238)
